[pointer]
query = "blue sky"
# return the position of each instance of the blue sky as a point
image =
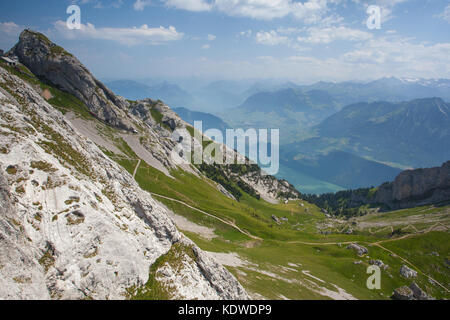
(303, 41)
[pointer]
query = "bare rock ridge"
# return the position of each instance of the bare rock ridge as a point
(61, 69)
(73, 223)
(416, 187)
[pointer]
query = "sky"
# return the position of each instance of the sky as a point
(303, 41)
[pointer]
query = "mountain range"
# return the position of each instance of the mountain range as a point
(99, 199)
(169, 92)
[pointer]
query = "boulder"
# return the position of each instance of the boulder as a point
(407, 272)
(360, 250)
(419, 294)
(403, 293)
(275, 218)
(378, 263)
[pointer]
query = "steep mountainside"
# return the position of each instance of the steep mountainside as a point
(365, 144)
(290, 110)
(75, 225)
(414, 133)
(170, 93)
(209, 121)
(53, 64)
(419, 187)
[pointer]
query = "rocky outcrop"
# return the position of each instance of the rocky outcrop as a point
(75, 225)
(61, 69)
(417, 187)
(379, 263)
(413, 292)
(403, 293)
(407, 272)
(360, 250)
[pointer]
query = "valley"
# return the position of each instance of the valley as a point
(133, 223)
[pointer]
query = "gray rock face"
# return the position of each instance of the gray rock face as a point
(51, 62)
(407, 272)
(416, 187)
(75, 225)
(413, 292)
(360, 250)
(419, 294)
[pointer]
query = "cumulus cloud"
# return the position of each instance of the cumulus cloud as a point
(327, 35)
(270, 38)
(125, 36)
(387, 7)
(445, 15)
(211, 37)
(9, 33)
(308, 11)
(10, 29)
(190, 5)
(140, 5)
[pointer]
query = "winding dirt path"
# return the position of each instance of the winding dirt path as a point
(231, 224)
(136, 169)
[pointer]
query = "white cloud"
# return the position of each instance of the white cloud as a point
(206, 46)
(211, 37)
(139, 5)
(190, 5)
(326, 35)
(445, 15)
(402, 57)
(246, 33)
(9, 33)
(126, 36)
(270, 38)
(258, 9)
(387, 7)
(10, 29)
(308, 11)
(99, 4)
(371, 59)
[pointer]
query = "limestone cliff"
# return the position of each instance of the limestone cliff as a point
(61, 69)
(75, 225)
(416, 187)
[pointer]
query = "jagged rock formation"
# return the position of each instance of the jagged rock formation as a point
(75, 225)
(416, 188)
(413, 292)
(403, 293)
(61, 69)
